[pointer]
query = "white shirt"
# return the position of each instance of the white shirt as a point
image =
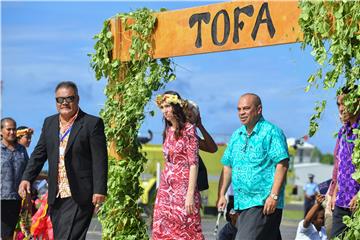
(230, 190)
(310, 233)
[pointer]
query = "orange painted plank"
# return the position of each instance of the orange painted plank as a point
(224, 26)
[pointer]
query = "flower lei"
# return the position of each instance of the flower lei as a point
(169, 98)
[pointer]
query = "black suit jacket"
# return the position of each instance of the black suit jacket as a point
(86, 160)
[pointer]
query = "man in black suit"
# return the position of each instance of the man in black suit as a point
(75, 145)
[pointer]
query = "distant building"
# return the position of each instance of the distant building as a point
(304, 152)
(321, 171)
(304, 162)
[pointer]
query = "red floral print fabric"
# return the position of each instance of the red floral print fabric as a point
(170, 220)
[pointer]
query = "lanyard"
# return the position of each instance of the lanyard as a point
(65, 134)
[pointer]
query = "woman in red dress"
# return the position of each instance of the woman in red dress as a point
(177, 205)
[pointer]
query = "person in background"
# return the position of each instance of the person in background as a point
(193, 116)
(312, 227)
(177, 204)
(345, 201)
(255, 161)
(74, 144)
(229, 230)
(330, 193)
(28, 208)
(310, 190)
(206, 144)
(14, 158)
(23, 135)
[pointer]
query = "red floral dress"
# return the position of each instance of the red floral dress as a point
(170, 219)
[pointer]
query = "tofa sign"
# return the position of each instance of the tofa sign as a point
(217, 27)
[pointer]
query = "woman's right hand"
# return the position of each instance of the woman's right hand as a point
(189, 203)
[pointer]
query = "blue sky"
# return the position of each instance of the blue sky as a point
(44, 43)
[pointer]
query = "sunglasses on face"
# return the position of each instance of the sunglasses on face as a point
(68, 99)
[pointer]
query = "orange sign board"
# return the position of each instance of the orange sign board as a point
(217, 27)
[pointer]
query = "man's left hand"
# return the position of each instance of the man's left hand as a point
(98, 200)
(270, 206)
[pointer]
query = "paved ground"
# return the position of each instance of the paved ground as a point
(288, 228)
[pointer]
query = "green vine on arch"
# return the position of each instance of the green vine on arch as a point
(123, 115)
(332, 29)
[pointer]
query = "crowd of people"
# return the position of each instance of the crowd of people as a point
(255, 165)
(74, 144)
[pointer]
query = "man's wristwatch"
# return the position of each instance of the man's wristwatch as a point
(274, 196)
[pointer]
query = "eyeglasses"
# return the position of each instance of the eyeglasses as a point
(68, 99)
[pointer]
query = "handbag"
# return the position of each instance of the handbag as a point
(202, 178)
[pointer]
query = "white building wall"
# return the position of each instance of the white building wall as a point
(321, 171)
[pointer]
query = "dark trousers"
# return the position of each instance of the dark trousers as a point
(338, 226)
(70, 220)
(228, 232)
(229, 206)
(252, 224)
(10, 210)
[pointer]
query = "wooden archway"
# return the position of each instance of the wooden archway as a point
(214, 28)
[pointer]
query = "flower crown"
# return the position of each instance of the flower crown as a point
(25, 131)
(169, 98)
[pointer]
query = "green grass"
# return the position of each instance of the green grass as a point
(293, 214)
(154, 154)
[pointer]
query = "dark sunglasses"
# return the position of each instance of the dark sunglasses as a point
(68, 99)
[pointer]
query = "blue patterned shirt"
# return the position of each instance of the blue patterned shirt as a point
(253, 161)
(13, 164)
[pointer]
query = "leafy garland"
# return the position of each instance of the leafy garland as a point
(332, 29)
(123, 114)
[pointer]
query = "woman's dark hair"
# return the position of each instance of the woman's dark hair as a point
(346, 89)
(179, 116)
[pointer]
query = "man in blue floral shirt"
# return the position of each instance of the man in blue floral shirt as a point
(13, 162)
(256, 162)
